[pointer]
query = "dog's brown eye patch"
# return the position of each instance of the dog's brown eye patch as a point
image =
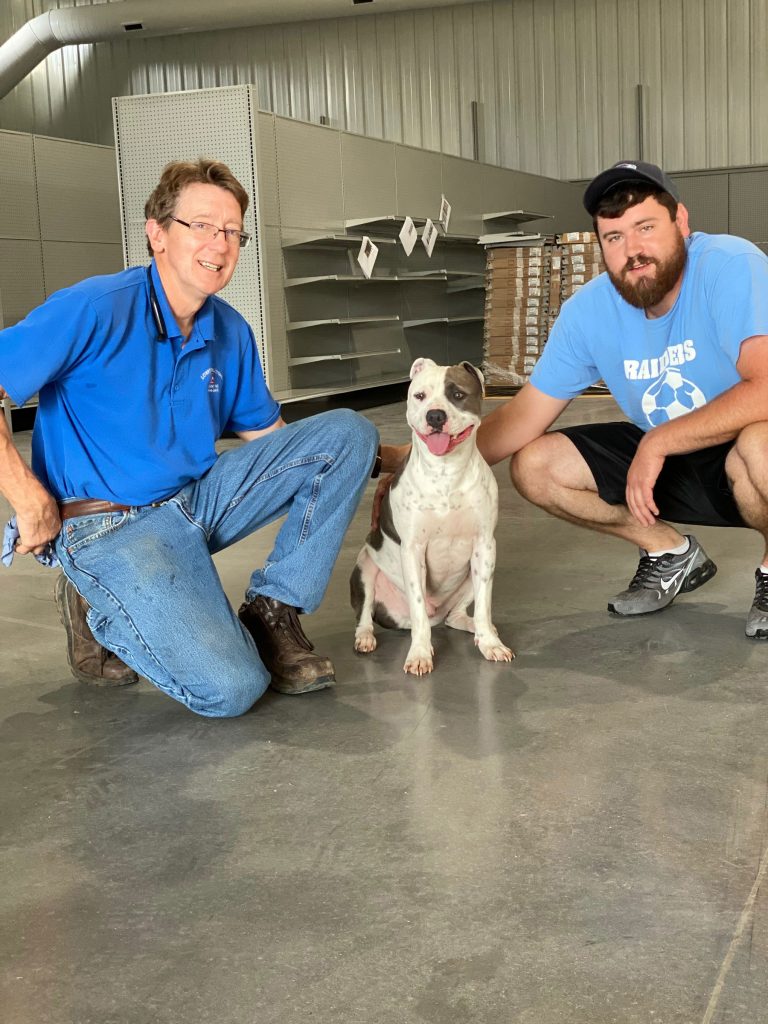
(458, 396)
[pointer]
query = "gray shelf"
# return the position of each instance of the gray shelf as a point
(342, 356)
(300, 325)
(516, 216)
(335, 242)
(297, 282)
(444, 320)
(388, 219)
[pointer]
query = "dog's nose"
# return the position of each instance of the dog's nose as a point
(436, 419)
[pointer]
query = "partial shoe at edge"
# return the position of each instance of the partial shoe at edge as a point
(284, 647)
(90, 662)
(659, 580)
(757, 619)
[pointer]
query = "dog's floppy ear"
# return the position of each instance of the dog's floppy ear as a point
(421, 364)
(477, 373)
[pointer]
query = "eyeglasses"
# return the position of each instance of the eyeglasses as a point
(210, 231)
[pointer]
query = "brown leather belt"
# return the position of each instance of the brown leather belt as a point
(89, 507)
(95, 507)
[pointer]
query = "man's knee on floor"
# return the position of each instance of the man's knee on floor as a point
(229, 697)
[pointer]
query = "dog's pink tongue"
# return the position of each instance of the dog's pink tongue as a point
(438, 444)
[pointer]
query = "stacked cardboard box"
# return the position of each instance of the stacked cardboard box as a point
(517, 301)
(581, 260)
(525, 288)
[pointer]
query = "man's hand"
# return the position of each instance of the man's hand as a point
(37, 526)
(641, 479)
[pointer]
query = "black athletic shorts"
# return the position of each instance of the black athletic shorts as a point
(691, 488)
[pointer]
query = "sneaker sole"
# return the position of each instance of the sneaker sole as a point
(700, 575)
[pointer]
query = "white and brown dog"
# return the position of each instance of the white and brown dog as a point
(433, 551)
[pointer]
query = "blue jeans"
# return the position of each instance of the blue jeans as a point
(154, 594)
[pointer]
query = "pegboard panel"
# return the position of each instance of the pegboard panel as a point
(21, 278)
(368, 169)
(77, 191)
(706, 198)
(18, 196)
(65, 263)
(748, 205)
(151, 131)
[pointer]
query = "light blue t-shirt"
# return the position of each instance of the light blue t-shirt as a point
(125, 415)
(660, 369)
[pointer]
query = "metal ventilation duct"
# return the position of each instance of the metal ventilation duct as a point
(94, 24)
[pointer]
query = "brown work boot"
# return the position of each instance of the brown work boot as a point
(89, 661)
(283, 647)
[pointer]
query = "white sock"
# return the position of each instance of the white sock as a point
(764, 570)
(675, 551)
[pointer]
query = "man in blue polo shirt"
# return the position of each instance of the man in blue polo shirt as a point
(138, 375)
(678, 330)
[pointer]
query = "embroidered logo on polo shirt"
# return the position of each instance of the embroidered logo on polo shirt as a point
(213, 377)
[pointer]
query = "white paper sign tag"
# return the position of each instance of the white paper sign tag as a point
(429, 237)
(445, 214)
(408, 235)
(367, 255)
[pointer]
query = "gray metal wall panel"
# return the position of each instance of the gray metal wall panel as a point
(566, 89)
(391, 96)
(759, 82)
(77, 191)
(649, 35)
(419, 182)
(66, 263)
(544, 72)
(353, 75)
(370, 72)
(309, 188)
(486, 82)
(740, 55)
(527, 86)
(627, 76)
(427, 60)
(748, 205)
(715, 120)
(18, 195)
(706, 197)
(21, 278)
(368, 172)
(466, 86)
(408, 56)
(694, 85)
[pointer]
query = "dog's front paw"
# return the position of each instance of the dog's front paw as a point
(419, 660)
(492, 649)
(365, 641)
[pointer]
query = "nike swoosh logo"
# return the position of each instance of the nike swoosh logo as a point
(666, 584)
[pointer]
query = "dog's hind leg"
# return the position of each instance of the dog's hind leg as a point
(361, 586)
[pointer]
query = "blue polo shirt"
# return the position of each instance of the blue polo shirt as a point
(123, 415)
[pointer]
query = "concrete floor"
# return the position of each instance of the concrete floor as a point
(576, 838)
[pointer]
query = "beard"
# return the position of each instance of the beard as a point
(648, 292)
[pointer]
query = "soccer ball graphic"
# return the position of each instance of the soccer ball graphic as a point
(671, 396)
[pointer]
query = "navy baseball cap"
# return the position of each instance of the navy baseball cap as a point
(626, 172)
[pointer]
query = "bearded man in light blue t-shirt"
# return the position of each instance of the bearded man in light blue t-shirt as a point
(678, 330)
